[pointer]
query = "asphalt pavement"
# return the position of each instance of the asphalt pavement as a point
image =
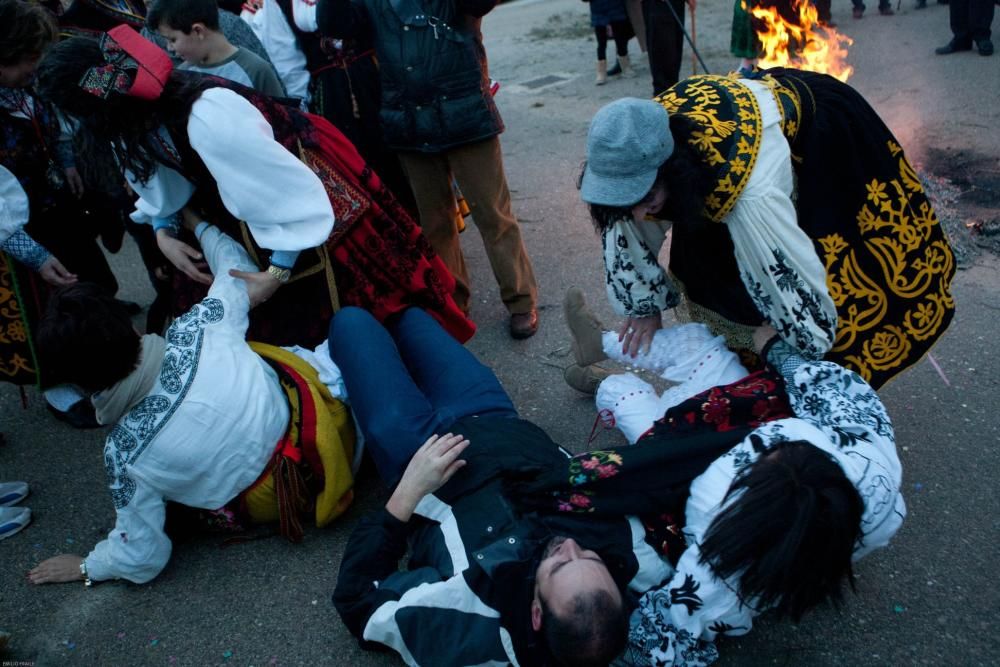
(930, 598)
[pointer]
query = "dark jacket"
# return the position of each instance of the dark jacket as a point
(435, 89)
(465, 597)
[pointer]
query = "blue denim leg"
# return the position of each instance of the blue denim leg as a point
(394, 414)
(453, 380)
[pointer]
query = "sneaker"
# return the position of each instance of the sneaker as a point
(585, 378)
(953, 47)
(12, 520)
(585, 329)
(985, 47)
(886, 11)
(11, 493)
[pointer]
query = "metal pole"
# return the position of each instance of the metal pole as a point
(680, 24)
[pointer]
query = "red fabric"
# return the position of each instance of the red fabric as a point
(391, 263)
(154, 65)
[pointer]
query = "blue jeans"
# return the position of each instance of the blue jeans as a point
(408, 380)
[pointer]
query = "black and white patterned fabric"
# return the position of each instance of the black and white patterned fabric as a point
(636, 283)
(837, 412)
(26, 250)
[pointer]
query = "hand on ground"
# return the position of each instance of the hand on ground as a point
(57, 570)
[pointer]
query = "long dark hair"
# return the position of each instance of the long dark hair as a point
(127, 123)
(686, 176)
(790, 531)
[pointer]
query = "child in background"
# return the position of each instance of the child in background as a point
(191, 28)
(604, 13)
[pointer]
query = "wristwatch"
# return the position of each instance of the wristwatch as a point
(83, 571)
(279, 274)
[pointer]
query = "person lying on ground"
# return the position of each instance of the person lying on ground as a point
(775, 522)
(199, 417)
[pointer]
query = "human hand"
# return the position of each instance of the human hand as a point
(431, 466)
(261, 285)
(54, 273)
(636, 334)
(187, 260)
(57, 570)
(74, 181)
(761, 335)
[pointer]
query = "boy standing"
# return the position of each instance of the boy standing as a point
(191, 28)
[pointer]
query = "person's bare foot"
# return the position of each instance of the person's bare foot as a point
(584, 327)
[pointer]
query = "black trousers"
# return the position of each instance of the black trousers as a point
(970, 19)
(664, 41)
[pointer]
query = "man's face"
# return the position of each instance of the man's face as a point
(189, 47)
(566, 570)
(19, 74)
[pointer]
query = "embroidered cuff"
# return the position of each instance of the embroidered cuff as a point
(782, 357)
(284, 259)
(26, 250)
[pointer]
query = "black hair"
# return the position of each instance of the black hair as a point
(26, 30)
(183, 14)
(591, 634)
(86, 338)
(128, 124)
(686, 176)
(790, 531)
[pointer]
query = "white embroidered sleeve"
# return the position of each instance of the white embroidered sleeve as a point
(136, 549)
(222, 254)
(13, 205)
(163, 195)
(778, 263)
(637, 285)
(281, 199)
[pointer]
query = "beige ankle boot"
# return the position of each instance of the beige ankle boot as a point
(585, 378)
(626, 64)
(602, 73)
(585, 329)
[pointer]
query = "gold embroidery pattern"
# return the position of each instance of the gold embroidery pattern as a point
(728, 134)
(893, 294)
(16, 363)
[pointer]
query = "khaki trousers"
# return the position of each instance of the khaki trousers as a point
(478, 169)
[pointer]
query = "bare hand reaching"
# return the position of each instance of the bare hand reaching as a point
(636, 334)
(761, 335)
(54, 273)
(261, 285)
(188, 261)
(432, 465)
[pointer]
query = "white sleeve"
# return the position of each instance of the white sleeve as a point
(778, 262)
(223, 253)
(13, 205)
(304, 12)
(164, 194)
(136, 549)
(636, 283)
(282, 200)
(280, 43)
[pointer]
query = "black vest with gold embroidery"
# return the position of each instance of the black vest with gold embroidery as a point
(728, 129)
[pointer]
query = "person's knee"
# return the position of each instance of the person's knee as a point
(347, 322)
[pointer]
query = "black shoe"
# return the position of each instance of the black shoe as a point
(616, 70)
(524, 325)
(886, 11)
(921, 4)
(80, 415)
(858, 12)
(985, 47)
(953, 47)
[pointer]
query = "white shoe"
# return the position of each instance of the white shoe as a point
(11, 493)
(13, 519)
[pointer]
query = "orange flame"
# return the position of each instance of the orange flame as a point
(806, 45)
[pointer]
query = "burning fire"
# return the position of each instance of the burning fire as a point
(807, 45)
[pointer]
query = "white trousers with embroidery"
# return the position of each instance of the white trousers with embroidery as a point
(688, 355)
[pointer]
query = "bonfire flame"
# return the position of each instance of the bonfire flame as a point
(806, 45)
